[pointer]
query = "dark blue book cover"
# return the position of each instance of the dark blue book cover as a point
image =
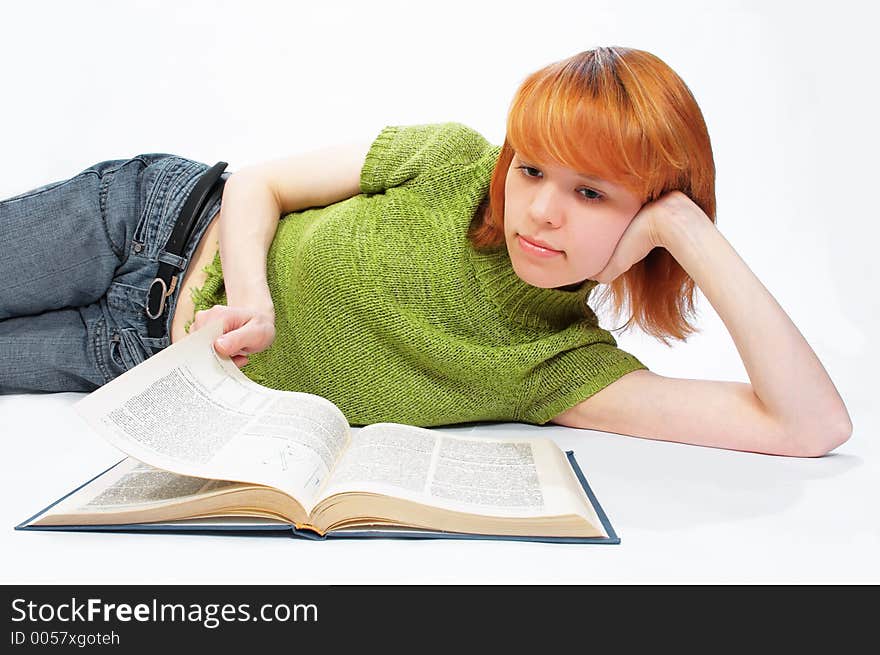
(235, 526)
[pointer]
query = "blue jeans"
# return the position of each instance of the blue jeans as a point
(76, 261)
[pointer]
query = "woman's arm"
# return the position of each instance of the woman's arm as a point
(249, 215)
(791, 406)
(248, 220)
(255, 197)
(253, 201)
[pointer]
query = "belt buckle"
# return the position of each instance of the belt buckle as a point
(164, 292)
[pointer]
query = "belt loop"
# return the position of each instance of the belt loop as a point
(174, 260)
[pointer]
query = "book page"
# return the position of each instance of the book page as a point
(131, 484)
(498, 477)
(191, 411)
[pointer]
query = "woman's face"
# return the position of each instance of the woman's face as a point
(578, 219)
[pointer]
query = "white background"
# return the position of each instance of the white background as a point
(788, 91)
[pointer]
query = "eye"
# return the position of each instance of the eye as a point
(527, 171)
(596, 196)
(532, 172)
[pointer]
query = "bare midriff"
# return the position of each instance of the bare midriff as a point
(195, 278)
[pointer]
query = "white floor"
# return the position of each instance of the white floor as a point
(685, 514)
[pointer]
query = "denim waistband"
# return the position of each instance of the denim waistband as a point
(163, 190)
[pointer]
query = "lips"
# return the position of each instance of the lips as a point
(538, 244)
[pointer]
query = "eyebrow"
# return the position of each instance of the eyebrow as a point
(601, 185)
(592, 178)
(583, 176)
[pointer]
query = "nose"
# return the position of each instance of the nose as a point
(543, 208)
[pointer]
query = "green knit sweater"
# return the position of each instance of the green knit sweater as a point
(383, 307)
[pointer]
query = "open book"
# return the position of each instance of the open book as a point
(211, 450)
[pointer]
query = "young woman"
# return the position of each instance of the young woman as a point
(429, 277)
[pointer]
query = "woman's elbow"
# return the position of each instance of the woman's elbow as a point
(821, 442)
(841, 433)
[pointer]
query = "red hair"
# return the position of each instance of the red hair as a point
(623, 115)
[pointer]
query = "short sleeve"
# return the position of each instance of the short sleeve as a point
(561, 382)
(401, 153)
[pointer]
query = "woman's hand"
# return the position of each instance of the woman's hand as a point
(649, 229)
(245, 330)
(791, 406)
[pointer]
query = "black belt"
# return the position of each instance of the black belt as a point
(166, 277)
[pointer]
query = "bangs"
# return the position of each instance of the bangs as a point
(579, 115)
